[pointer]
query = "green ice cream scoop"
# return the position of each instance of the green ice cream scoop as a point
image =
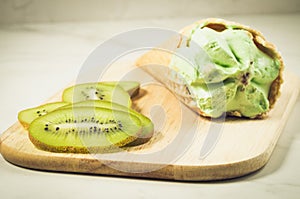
(229, 69)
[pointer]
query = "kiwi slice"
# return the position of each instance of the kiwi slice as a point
(147, 125)
(97, 103)
(96, 91)
(84, 130)
(27, 116)
(131, 87)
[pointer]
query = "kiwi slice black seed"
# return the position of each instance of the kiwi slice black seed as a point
(84, 130)
(131, 87)
(96, 91)
(147, 125)
(25, 117)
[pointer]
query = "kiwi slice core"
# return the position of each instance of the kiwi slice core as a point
(147, 125)
(84, 130)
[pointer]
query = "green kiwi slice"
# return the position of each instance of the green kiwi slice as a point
(131, 87)
(97, 103)
(147, 125)
(96, 91)
(84, 130)
(27, 116)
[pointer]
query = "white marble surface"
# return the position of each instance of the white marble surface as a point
(37, 60)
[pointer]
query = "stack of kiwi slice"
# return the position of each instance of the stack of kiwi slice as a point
(91, 118)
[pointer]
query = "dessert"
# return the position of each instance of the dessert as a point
(219, 67)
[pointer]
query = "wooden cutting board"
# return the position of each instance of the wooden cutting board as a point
(184, 147)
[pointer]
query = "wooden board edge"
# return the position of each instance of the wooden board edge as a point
(165, 172)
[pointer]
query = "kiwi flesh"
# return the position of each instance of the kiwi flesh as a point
(84, 130)
(131, 87)
(97, 103)
(25, 117)
(147, 125)
(96, 91)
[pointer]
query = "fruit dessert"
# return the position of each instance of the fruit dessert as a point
(218, 68)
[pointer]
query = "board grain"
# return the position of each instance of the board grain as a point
(240, 147)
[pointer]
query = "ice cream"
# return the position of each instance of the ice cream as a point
(226, 68)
